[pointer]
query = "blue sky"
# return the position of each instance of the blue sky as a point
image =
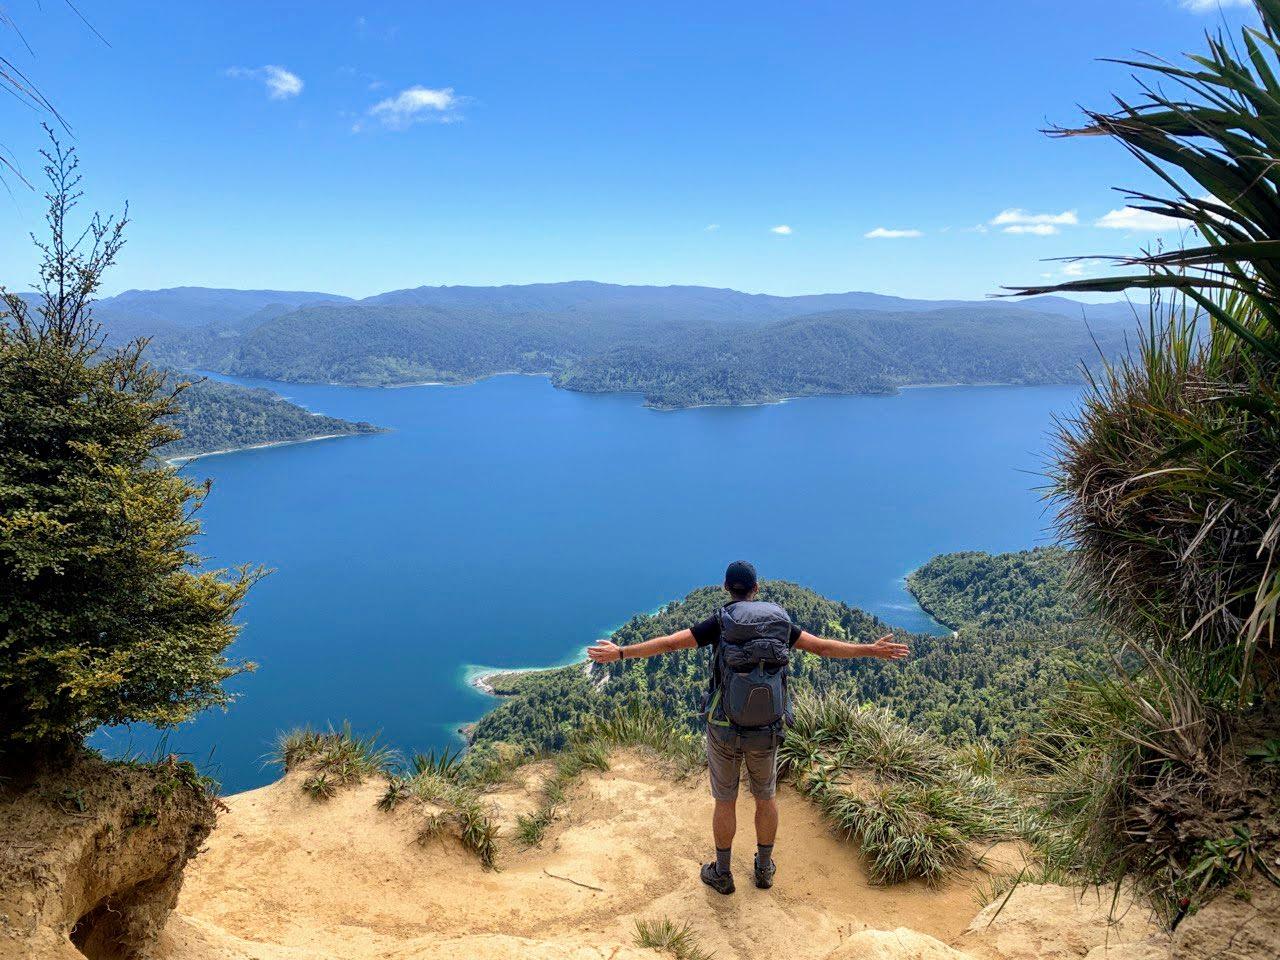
(771, 147)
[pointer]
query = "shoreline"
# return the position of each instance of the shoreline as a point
(478, 677)
(480, 681)
(186, 457)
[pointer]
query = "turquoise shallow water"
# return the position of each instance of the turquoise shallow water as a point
(509, 524)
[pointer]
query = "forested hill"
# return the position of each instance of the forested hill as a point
(842, 352)
(987, 680)
(224, 416)
(679, 346)
(997, 590)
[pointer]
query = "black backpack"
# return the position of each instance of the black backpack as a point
(749, 668)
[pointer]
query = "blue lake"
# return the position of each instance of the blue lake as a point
(509, 524)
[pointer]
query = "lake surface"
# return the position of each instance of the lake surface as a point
(509, 524)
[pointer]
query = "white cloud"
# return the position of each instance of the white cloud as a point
(281, 84)
(416, 104)
(1209, 6)
(1017, 217)
(1074, 270)
(781, 230)
(884, 233)
(1032, 229)
(1129, 218)
(711, 227)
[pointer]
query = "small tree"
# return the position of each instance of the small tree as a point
(104, 617)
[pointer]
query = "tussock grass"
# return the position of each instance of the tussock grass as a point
(915, 810)
(493, 764)
(335, 758)
(1166, 480)
(640, 725)
(320, 787)
(676, 940)
(438, 781)
(569, 765)
(532, 827)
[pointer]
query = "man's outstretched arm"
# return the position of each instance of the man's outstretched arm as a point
(606, 651)
(886, 648)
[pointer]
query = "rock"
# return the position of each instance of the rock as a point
(1233, 927)
(899, 944)
(1046, 922)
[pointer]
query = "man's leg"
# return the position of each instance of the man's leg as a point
(724, 823)
(766, 822)
(724, 764)
(762, 769)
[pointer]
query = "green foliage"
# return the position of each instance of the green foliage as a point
(1167, 481)
(997, 590)
(222, 416)
(320, 787)
(640, 724)
(105, 617)
(590, 753)
(1168, 474)
(1266, 752)
(1145, 773)
(447, 763)
(677, 940)
(989, 681)
(842, 352)
(914, 809)
(532, 827)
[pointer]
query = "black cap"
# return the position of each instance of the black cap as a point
(740, 577)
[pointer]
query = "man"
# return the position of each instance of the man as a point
(746, 705)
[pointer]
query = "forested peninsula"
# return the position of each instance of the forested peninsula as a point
(1015, 641)
(219, 417)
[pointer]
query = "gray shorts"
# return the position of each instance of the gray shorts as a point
(725, 758)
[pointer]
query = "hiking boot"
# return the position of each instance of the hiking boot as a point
(764, 875)
(717, 881)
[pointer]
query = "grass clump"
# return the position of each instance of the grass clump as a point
(916, 811)
(569, 765)
(639, 724)
(676, 940)
(439, 781)
(320, 787)
(532, 827)
(334, 758)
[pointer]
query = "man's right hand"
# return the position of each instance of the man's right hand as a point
(604, 651)
(887, 649)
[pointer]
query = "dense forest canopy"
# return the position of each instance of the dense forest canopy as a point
(223, 416)
(678, 346)
(1016, 642)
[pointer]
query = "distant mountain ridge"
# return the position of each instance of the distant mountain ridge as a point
(678, 345)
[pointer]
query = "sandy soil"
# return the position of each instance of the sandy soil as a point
(286, 878)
